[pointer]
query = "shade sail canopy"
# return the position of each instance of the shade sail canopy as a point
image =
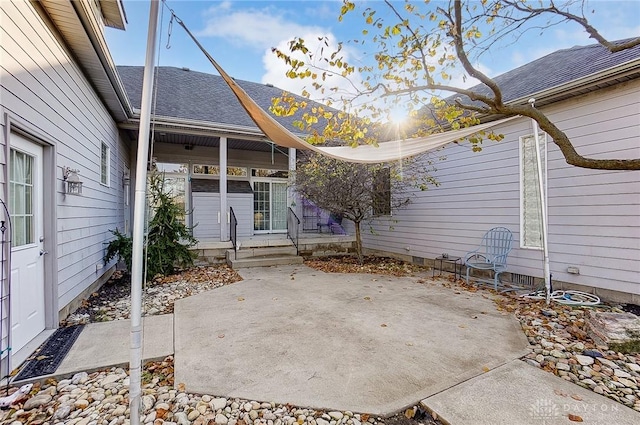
(384, 152)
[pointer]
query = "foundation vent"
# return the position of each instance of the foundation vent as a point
(523, 280)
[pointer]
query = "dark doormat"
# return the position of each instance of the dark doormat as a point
(48, 357)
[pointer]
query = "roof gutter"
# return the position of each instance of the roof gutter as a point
(199, 127)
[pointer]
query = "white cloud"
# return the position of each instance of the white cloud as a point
(276, 68)
(262, 29)
(258, 29)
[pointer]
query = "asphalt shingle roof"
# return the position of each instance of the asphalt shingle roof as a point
(200, 96)
(557, 68)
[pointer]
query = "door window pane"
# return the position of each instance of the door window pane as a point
(279, 205)
(21, 198)
(261, 211)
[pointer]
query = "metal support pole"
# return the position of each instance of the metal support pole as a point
(139, 206)
(543, 208)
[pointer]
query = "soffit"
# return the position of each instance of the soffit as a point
(84, 38)
(113, 12)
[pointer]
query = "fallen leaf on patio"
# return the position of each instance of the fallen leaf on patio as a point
(575, 418)
(485, 369)
(560, 393)
(221, 336)
(181, 387)
(409, 413)
(364, 417)
(576, 397)
(367, 298)
(240, 299)
(383, 325)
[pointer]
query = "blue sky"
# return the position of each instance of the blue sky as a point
(240, 34)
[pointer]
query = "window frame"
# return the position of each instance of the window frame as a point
(243, 176)
(383, 197)
(105, 164)
(542, 137)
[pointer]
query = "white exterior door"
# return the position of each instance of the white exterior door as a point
(27, 226)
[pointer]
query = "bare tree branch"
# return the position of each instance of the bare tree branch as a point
(456, 33)
(580, 20)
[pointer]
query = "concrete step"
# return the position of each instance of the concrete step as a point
(265, 261)
(261, 251)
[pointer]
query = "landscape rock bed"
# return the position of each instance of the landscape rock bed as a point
(560, 344)
(113, 300)
(101, 398)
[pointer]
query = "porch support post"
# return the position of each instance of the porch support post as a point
(291, 194)
(224, 232)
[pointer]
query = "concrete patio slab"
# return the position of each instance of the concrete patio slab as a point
(518, 393)
(363, 343)
(106, 344)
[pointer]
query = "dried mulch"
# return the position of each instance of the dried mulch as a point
(371, 264)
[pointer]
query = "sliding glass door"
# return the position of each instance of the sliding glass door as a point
(269, 206)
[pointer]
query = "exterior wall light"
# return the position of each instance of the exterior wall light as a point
(72, 183)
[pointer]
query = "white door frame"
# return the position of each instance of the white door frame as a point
(51, 186)
(269, 180)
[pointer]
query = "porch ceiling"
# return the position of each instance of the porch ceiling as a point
(202, 140)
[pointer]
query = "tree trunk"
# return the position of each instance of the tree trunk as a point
(359, 243)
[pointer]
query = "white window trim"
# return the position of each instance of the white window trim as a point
(217, 176)
(108, 165)
(543, 144)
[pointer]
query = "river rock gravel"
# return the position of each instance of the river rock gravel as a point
(113, 301)
(102, 398)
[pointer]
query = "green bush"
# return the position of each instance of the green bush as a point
(121, 248)
(168, 238)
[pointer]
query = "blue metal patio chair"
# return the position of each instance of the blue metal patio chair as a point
(491, 254)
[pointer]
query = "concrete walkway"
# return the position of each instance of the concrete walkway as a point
(107, 344)
(369, 344)
(518, 393)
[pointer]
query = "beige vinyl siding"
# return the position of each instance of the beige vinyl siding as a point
(594, 215)
(43, 87)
